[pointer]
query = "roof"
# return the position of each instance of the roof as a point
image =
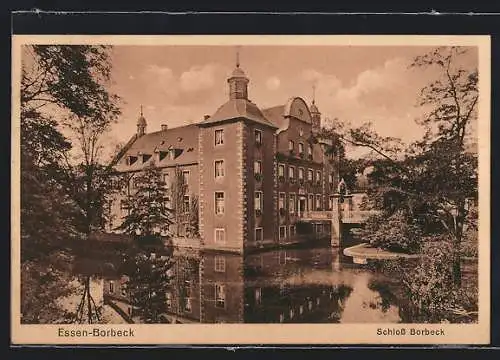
(238, 108)
(275, 115)
(238, 72)
(184, 138)
(313, 108)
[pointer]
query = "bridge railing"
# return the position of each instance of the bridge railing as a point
(317, 215)
(357, 216)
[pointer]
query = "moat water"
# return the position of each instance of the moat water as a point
(315, 286)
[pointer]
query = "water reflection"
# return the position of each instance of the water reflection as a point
(282, 286)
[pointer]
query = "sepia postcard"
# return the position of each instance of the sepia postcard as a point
(250, 190)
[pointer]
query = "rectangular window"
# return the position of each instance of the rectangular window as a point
(220, 264)
(292, 230)
(220, 295)
(330, 178)
(301, 148)
(168, 300)
(111, 287)
(318, 176)
(219, 202)
(330, 203)
(301, 173)
(166, 180)
(318, 202)
(219, 137)
(291, 206)
(309, 150)
(309, 175)
(258, 200)
(310, 203)
(185, 177)
(282, 233)
(291, 145)
(281, 170)
(186, 203)
(258, 137)
(219, 168)
(282, 201)
(257, 167)
(319, 228)
(220, 236)
(167, 203)
(259, 234)
(187, 305)
(291, 173)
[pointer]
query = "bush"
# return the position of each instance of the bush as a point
(426, 289)
(394, 233)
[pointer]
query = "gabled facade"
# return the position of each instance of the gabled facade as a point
(255, 172)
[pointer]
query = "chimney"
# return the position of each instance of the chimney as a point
(205, 117)
(164, 127)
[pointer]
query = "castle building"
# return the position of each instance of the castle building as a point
(256, 173)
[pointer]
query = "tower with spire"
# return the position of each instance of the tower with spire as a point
(238, 82)
(315, 114)
(141, 125)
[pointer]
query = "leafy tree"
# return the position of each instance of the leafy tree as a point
(185, 217)
(432, 180)
(70, 81)
(148, 215)
(147, 285)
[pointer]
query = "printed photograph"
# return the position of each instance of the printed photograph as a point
(183, 184)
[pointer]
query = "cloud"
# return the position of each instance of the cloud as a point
(384, 95)
(325, 83)
(198, 78)
(159, 80)
(388, 77)
(273, 83)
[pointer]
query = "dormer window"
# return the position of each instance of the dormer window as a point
(131, 160)
(163, 154)
(146, 157)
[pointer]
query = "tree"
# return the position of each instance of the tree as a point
(148, 215)
(186, 218)
(147, 285)
(70, 81)
(429, 184)
(432, 180)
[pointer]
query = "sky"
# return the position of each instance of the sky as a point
(177, 85)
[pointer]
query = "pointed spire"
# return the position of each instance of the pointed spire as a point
(141, 124)
(237, 56)
(314, 93)
(238, 81)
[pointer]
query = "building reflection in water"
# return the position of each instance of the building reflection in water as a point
(271, 287)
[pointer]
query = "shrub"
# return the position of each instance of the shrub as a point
(394, 233)
(427, 292)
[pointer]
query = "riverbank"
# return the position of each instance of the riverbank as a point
(363, 252)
